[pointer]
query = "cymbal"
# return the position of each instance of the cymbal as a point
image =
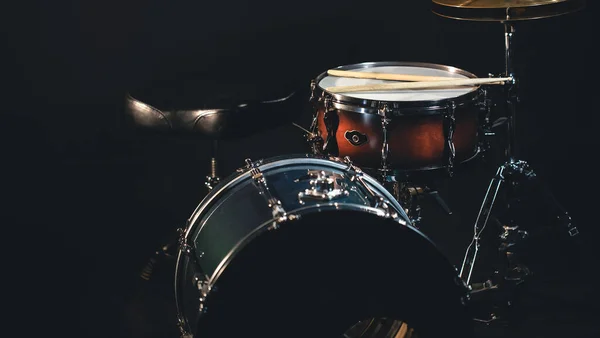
(504, 10)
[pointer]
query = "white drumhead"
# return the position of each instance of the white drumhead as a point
(398, 95)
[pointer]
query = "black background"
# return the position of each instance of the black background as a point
(87, 200)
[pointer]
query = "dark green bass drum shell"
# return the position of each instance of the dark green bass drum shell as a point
(302, 246)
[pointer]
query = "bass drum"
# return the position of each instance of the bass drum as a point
(301, 246)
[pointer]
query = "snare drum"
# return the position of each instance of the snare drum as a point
(402, 129)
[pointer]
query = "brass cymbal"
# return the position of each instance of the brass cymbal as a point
(504, 10)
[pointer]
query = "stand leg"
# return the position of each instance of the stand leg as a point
(468, 264)
(510, 272)
(511, 95)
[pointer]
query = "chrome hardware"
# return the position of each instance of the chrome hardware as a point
(313, 137)
(273, 203)
(355, 137)
(332, 121)
(385, 149)
(409, 195)
(184, 247)
(486, 129)
(324, 186)
(381, 203)
(204, 288)
(181, 325)
(567, 221)
(249, 165)
(486, 107)
(449, 126)
(377, 201)
(327, 103)
(356, 174)
(512, 235)
(213, 179)
(313, 86)
(211, 182)
(485, 210)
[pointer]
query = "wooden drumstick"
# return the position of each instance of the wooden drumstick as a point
(403, 332)
(417, 85)
(386, 76)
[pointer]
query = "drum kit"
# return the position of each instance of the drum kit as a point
(329, 243)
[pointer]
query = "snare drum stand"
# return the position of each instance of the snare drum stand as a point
(513, 173)
(409, 194)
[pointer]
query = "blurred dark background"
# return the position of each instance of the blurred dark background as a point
(87, 199)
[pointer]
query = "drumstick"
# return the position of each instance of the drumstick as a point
(403, 332)
(417, 85)
(384, 76)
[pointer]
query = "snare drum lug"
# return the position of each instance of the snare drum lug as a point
(331, 121)
(327, 103)
(449, 127)
(383, 110)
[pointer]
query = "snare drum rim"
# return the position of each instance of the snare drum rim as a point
(396, 108)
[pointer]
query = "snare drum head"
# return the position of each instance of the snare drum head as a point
(399, 68)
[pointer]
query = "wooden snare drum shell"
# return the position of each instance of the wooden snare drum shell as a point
(416, 142)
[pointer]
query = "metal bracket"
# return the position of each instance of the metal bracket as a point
(383, 111)
(449, 127)
(324, 186)
(313, 86)
(279, 214)
(184, 247)
(182, 330)
(331, 120)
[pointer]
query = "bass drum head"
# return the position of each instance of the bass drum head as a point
(321, 274)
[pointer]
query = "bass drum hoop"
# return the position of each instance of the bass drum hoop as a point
(276, 162)
(397, 108)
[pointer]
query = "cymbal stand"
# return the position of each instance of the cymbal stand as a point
(512, 174)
